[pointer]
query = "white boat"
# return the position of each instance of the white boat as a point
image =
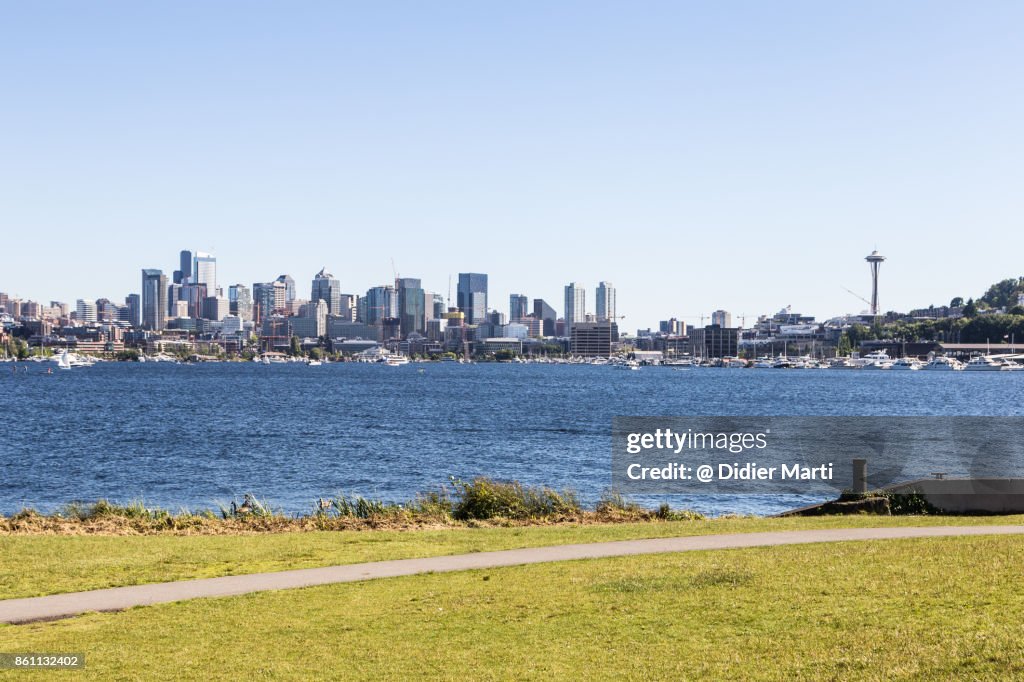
(314, 363)
(396, 361)
(985, 363)
(842, 363)
(877, 360)
(906, 364)
(940, 363)
(65, 361)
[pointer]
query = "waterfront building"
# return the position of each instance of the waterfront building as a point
(715, 341)
(497, 344)
(575, 306)
(472, 296)
(606, 302)
(327, 288)
(593, 339)
(518, 307)
(154, 299)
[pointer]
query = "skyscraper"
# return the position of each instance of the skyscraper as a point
(184, 271)
(518, 307)
(289, 287)
(411, 302)
(268, 298)
(154, 299)
(547, 316)
(381, 304)
(606, 302)
(722, 318)
(472, 296)
(240, 302)
(575, 306)
(326, 288)
(204, 271)
(134, 304)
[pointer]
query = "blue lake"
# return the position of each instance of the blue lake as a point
(195, 435)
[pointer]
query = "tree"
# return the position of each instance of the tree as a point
(845, 347)
(316, 354)
(970, 310)
(295, 347)
(956, 302)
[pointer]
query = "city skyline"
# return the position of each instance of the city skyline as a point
(204, 266)
(765, 149)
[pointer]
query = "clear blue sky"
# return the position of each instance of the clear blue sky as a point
(737, 155)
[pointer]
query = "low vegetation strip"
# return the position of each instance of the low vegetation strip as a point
(462, 503)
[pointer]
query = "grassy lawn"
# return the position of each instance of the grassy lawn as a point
(925, 609)
(32, 565)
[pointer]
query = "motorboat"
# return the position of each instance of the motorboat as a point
(986, 363)
(941, 363)
(906, 364)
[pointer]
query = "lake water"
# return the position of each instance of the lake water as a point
(194, 435)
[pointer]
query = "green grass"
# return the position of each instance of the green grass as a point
(32, 565)
(923, 609)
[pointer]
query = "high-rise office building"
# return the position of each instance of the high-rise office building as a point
(184, 270)
(472, 296)
(547, 316)
(381, 305)
(326, 288)
(85, 310)
(606, 302)
(134, 304)
(575, 306)
(518, 307)
(289, 284)
(240, 302)
(349, 304)
(439, 306)
(154, 299)
(411, 301)
(721, 318)
(268, 299)
(204, 271)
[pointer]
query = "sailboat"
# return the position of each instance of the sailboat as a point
(65, 361)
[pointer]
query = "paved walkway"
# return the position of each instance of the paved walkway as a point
(117, 598)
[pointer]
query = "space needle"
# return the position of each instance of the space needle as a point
(875, 261)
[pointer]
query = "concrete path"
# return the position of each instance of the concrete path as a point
(117, 598)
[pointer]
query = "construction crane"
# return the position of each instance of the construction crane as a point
(855, 294)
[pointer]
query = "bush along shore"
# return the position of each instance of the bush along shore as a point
(480, 502)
